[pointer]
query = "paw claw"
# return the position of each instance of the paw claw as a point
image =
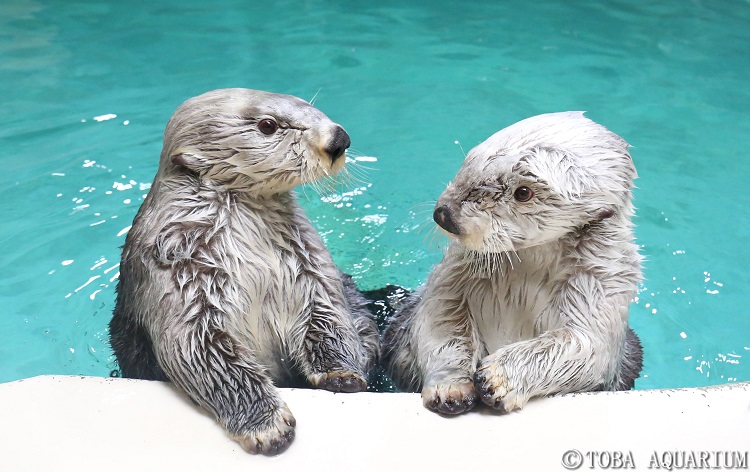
(450, 398)
(346, 382)
(495, 389)
(273, 437)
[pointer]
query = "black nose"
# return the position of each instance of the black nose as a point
(338, 144)
(442, 217)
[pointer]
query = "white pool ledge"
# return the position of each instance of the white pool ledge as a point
(55, 423)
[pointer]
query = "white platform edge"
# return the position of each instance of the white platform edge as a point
(56, 423)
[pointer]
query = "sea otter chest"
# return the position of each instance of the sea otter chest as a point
(267, 262)
(510, 304)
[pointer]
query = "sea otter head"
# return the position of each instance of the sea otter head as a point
(537, 181)
(252, 141)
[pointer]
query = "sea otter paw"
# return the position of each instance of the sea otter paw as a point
(497, 389)
(450, 398)
(347, 382)
(270, 438)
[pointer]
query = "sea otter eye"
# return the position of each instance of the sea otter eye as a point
(523, 194)
(267, 126)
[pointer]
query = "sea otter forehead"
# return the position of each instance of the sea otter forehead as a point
(531, 149)
(257, 104)
(556, 134)
(564, 129)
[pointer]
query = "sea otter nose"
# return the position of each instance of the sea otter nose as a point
(442, 217)
(338, 144)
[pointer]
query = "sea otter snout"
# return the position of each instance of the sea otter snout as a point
(444, 219)
(338, 144)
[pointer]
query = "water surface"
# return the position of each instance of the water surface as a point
(87, 89)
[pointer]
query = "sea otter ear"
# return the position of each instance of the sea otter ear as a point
(185, 159)
(603, 213)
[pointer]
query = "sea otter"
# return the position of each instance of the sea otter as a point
(225, 287)
(531, 297)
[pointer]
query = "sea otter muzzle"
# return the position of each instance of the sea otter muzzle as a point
(338, 144)
(442, 217)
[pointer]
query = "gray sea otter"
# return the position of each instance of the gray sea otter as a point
(531, 297)
(225, 287)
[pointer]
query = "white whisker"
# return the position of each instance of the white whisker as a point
(312, 100)
(460, 147)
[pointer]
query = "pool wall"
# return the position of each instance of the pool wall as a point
(85, 423)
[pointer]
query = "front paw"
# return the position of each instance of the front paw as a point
(450, 398)
(347, 382)
(496, 388)
(272, 437)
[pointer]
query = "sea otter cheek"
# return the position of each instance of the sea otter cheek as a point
(472, 242)
(475, 232)
(238, 161)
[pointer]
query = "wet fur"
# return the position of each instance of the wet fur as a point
(225, 288)
(530, 299)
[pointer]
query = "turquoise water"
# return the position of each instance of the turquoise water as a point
(88, 88)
